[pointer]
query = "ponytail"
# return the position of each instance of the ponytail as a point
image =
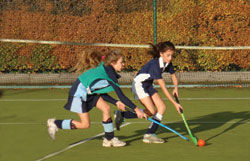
(160, 47)
(86, 60)
(154, 51)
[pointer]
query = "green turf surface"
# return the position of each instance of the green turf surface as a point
(213, 114)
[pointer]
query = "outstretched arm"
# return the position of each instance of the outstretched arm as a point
(127, 101)
(175, 82)
(110, 99)
(165, 91)
(122, 97)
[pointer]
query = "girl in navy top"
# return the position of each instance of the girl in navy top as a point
(90, 90)
(143, 89)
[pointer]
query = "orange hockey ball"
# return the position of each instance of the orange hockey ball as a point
(201, 142)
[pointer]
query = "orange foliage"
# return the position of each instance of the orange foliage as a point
(203, 23)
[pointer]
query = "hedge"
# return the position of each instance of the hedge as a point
(198, 23)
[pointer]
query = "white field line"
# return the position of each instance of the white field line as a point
(73, 145)
(30, 100)
(140, 122)
(187, 99)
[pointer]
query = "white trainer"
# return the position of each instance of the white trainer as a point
(152, 138)
(115, 142)
(52, 128)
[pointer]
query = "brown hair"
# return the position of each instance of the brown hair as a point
(160, 47)
(86, 60)
(112, 57)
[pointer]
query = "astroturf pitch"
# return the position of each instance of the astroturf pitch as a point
(220, 116)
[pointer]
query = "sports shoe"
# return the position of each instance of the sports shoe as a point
(118, 119)
(152, 138)
(115, 142)
(52, 128)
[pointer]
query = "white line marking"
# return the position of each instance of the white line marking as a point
(31, 100)
(215, 99)
(142, 122)
(187, 99)
(73, 145)
(36, 123)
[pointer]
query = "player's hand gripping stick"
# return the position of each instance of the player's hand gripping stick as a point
(194, 139)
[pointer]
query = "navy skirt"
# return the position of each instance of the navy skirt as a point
(76, 103)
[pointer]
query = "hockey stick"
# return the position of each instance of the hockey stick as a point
(193, 138)
(162, 125)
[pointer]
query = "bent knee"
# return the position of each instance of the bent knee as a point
(162, 109)
(106, 110)
(84, 126)
(150, 112)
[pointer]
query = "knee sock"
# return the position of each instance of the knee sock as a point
(108, 129)
(153, 126)
(65, 124)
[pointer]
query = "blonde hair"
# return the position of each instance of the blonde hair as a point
(92, 58)
(112, 57)
(86, 60)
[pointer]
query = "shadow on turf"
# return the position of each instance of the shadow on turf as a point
(199, 124)
(203, 123)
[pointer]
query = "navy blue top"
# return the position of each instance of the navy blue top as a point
(114, 76)
(153, 70)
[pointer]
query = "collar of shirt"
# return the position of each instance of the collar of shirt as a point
(110, 70)
(162, 64)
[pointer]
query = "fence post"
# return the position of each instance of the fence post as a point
(155, 21)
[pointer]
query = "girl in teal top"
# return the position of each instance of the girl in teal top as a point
(90, 90)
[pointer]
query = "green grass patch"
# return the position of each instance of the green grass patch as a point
(221, 116)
